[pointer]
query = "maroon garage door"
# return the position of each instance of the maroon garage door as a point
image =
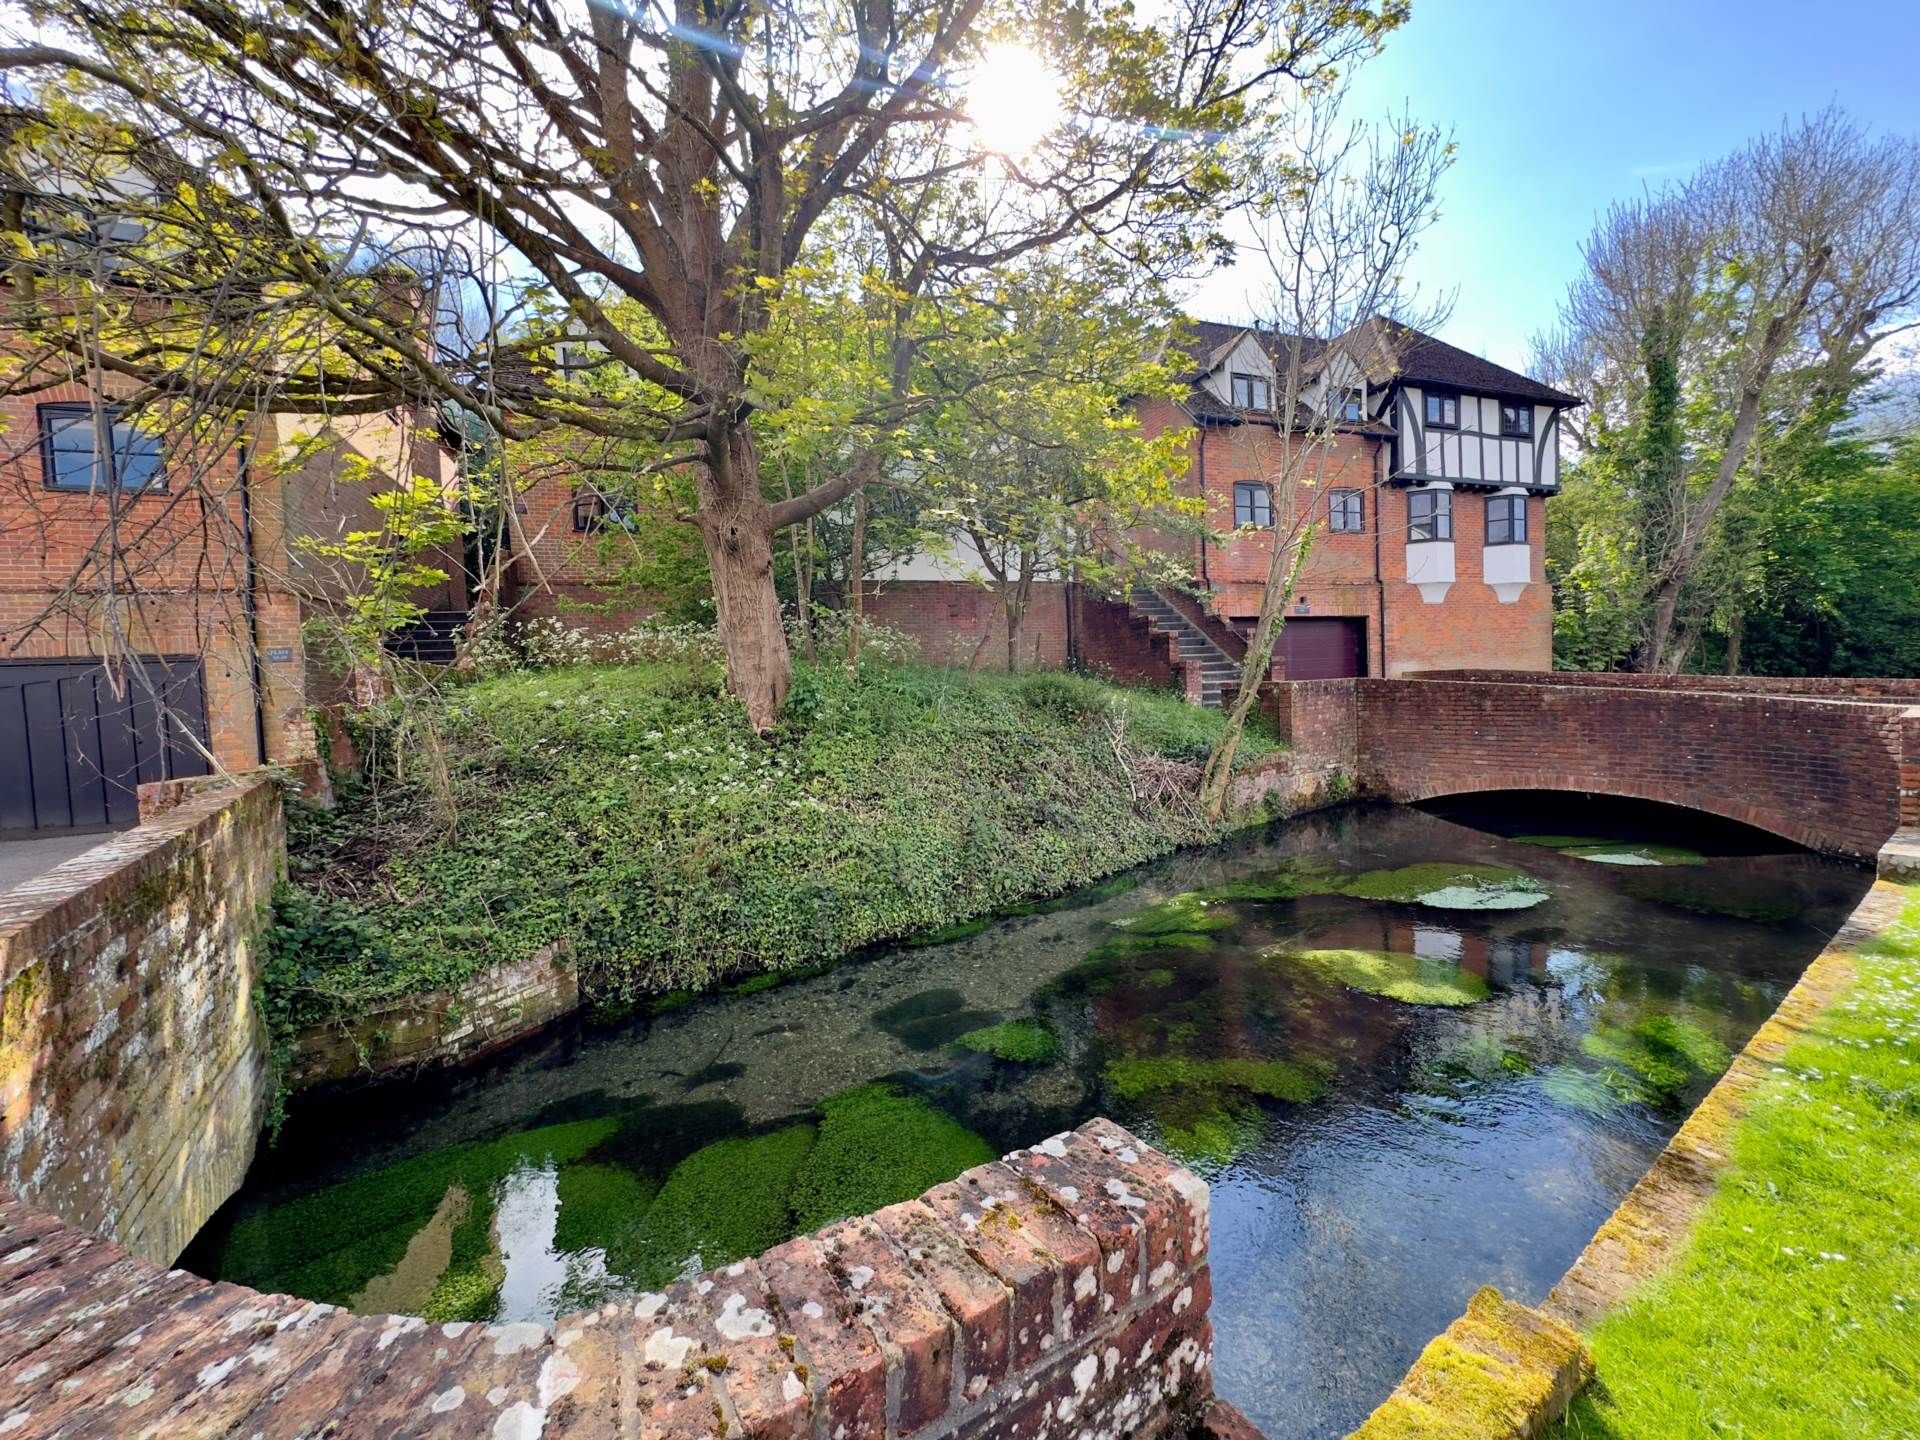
(72, 752)
(1324, 648)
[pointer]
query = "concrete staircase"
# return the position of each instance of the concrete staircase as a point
(433, 639)
(1191, 643)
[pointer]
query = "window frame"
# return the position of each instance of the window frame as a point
(1515, 519)
(83, 410)
(595, 513)
(1264, 492)
(1444, 398)
(1263, 384)
(1439, 521)
(1514, 432)
(1336, 502)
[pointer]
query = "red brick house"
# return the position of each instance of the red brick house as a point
(1430, 514)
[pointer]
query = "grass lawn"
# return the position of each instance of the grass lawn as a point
(629, 812)
(1795, 1310)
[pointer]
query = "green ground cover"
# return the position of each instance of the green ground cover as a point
(1795, 1310)
(630, 813)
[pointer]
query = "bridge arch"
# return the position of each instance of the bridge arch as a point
(1824, 773)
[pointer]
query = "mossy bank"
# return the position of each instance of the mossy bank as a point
(630, 815)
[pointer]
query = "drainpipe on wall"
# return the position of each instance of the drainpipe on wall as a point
(251, 609)
(1379, 573)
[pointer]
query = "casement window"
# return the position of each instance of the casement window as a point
(1443, 410)
(1506, 520)
(70, 451)
(1252, 504)
(1516, 420)
(594, 511)
(1252, 392)
(1351, 408)
(1346, 511)
(1429, 515)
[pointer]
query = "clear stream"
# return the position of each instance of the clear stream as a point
(1403, 1083)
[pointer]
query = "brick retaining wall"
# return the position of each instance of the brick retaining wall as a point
(1835, 687)
(1060, 1292)
(133, 1073)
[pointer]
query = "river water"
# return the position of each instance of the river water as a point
(1412, 1053)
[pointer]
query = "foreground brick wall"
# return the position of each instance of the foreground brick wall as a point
(133, 1072)
(1835, 687)
(1062, 1292)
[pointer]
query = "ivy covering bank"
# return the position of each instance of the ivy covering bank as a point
(629, 813)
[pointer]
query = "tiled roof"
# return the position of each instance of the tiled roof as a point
(1403, 354)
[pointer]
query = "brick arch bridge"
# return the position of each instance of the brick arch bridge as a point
(1832, 765)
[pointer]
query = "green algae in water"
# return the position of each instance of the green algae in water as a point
(877, 1147)
(1657, 1060)
(724, 1202)
(1025, 1042)
(1294, 880)
(947, 934)
(1448, 886)
(1477, 1060)
(1581, 1090)
(1187, 914)
(1136, 1076)
(1410, 979)
(329, 1244)
(597, 1202)
(1603, 851)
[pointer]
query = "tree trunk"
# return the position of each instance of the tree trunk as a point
(738, 533)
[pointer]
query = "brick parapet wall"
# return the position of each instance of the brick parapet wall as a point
(133, 1071)
(1836, 687)
(502, 1004)
(1822, 772)
(1117, 642)
(1061, 1292)
(1910, 768)
(949, 619)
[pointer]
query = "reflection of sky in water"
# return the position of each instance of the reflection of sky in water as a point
(1346, 1231)
(540, 1280)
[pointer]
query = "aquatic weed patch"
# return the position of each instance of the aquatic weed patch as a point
(1603, 851)
(1022, 1042)
(1392, 975)
(1447, 886)
(1805, 1264)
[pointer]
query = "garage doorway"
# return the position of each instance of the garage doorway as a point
(73, 753)
(1324, 647)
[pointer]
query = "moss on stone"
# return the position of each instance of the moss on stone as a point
(877, 1147)
(1410, 979)
(1448, 886)
(1025, 1042)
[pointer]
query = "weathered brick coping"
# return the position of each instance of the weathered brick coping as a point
(1505, 1371)
(1061, 1291)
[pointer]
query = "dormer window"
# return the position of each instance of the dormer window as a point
(1352, 409)
(1517, 421)
(1443, 410)
(1252, 392)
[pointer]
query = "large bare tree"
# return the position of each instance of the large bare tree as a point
(1748, 294)
(674, 161)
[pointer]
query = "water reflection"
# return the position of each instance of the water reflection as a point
(1406, 1077)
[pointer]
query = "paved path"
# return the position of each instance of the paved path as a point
(23, 860)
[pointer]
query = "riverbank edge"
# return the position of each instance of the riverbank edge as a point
(518, 1000)
(1507, 1371)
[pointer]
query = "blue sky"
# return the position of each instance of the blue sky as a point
(1561, 107)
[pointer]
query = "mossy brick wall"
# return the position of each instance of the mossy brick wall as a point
(1061, 1292)
(133, 1070)
(492, 1010)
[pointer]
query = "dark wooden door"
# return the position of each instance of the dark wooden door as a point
(73, 752)
(1324, 647)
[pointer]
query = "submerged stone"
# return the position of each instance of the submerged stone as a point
(1410, 979)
